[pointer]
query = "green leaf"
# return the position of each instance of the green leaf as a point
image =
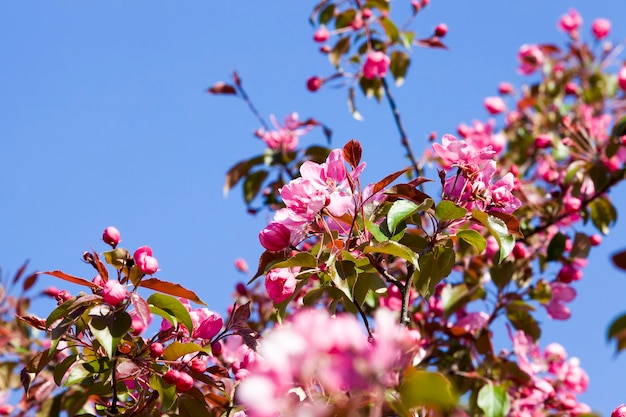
(252, 185)
(238, 171)
(341, 47)
(109, 329)
(430, 389)
(394, 248)
(345, 19)
(61, 369)
(499, 230)
(390, 29)
(446, 210)
(400, 210)
(326, 14)
(434, 266)
(374, 229)
(493, 400)
(556, 247)
(177, 349)
(172, 306)
(603, 214)
(77, 374)
(167, 392)
(301, 259)
(522, 320)
(473, 238)
(399, 65)
(617, 331)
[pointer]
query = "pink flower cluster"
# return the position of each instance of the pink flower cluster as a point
(206, 323)
(320, 187)
(376, 65)
(285, 138)
(472, 186)
(554, 380)
(318, 358)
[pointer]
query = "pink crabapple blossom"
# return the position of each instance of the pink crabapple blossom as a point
(145, 261)
(620, 411)
(621, 78)
(494, 105)
(113, 292)
(601, 28)
(441, 30)
(376, 65)
(280, 284)
(111, 236)
(275, 237)
(570, 22)
(530, 57)
(321, 35)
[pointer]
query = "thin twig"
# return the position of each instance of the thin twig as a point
(404, 139)
(405, 320)
(253, 109)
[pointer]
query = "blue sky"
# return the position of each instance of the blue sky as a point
(104, 120)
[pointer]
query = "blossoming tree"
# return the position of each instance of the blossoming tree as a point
(370, 299)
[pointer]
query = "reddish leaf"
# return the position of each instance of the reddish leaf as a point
(512, 223)
(100, 267)
(240, 314)
(265, 259)
(218, 400)
(26, 378)
(218, 371)
(30, 281)
(619, 259)
(407, 192)
(352, 152)
(141, 307)
(69, 278)
(388, 180)
(222, 88)
(526, 102)
(432, 42)
(170, 288)
(19, 272)
(34, 321)
(549, 49)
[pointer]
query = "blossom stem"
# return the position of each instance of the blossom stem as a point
(253, 109)
(406, 295)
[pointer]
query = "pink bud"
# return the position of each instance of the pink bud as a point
(216, 348)
(111, 236)
(505, 88)
(620, 411)
(321, 35)
(595, 239)
(275, 237)
(241, 265)
(543, 141)
(144, 260)
(572, 204)
(63, 296)
(571, 88)
(568, 274)
(570, 22)
(184, 382)
(197, 365)
(366, 13)
(530, 57)
(494, 105)
(314, 83)
(601, 28)
(441, 29)
(113, 292)
(621, 78)
(98, 280)
(376, 65)
(171, 376)
(52, 292)
(520, 251)
(6, 409)
(156, 350)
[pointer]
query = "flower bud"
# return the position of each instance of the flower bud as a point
(111, 236)
(6, 409)
(595, 239)
(156, 350)
(505, 88)
(568, 274)
(543, 141)
(216, 348)
(621, 78)
(184, 382)
(144, 260)
(366, 13)
(321, 35)
(376, 65)
(63, 296)
(197, 365)
(314, 83)
(494, 105)
(601, 28)
(171, 376)
(275, 237)
(620, 411)
(98, 280)
(113, 292)
(571, 88)
(52, 292)
(441, 30)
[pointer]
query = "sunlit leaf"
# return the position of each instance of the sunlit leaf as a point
(394, 248)
(177, 349)
(400, 62)
(473, 238)
(499, 230)
(493, 400)
(301, 259)
(400, 210)
(172, 306)
(429, 389)
(446, 211)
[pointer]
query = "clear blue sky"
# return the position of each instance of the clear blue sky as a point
(104, 120)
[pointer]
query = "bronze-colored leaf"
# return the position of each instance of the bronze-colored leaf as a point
(619, 259)
(352, 152)
(388, 180)
(407, 192)
(170, 288)
(222, 88)
(69, 278)
(432, 42)
(34, 321)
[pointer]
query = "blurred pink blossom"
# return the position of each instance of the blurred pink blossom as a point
(376, 65)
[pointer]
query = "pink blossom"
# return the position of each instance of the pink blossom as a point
(501, 195)
(280, 284)
(505, 88)
(206, 324)
(473, 323)
(561, 293)
(543, 141)
(144, 260)
(321, 35)
(275, 237)
(574, 377)
(138, 325)
(530, 57)
(620, 411)
(98, 280)
(111, 236)
(571, 88)
(376, 65)
(241, 265)
(570, 22)
(601, 28)
(113, 292)
(441, 30)
(494, 105)
(285, 137)
(453, 151)
(621, 78)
